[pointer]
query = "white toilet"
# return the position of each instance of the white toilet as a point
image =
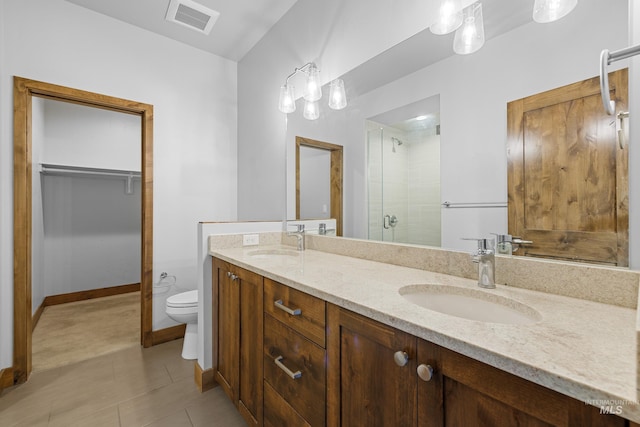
(183, 308)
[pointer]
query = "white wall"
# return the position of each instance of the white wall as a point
(194, 95)
(92, 227)
(474, 91)
(78, 135)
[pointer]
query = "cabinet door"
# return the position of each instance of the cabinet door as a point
(227, 309)
(365, 385)
(466, 392)
(251, 318)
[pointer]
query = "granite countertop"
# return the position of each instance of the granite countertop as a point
(583, 349)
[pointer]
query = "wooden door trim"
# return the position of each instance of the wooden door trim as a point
(336, 152)
(23, 92)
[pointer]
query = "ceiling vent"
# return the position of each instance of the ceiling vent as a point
(192, 15)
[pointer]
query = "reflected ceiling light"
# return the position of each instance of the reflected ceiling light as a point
(287, 103)
(337, 95)
(449, 17)
(470, 36)
(551, 10)
(312, 93)
(421, 117)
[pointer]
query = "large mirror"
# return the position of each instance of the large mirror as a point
(521, 58)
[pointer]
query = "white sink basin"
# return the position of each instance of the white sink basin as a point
(269, 253)
(470, 304)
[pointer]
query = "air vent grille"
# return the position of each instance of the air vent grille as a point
(192, 15)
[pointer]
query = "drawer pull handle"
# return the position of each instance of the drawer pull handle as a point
(281, 306)
(293, 375)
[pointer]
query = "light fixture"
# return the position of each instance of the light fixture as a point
(551, 10)
(470, 36)
(449, 17)
(312, 93)
(337, 96)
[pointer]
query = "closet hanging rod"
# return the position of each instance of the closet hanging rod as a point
(475, 205)
(606, 58)
(80, 170)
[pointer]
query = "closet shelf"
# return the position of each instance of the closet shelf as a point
(49, 169)
(64, 170)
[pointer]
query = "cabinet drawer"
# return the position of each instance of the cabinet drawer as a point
(309, 321)
(302, 358)
(278, 413)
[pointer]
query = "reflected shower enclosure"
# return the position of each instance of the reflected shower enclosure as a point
(403, 168)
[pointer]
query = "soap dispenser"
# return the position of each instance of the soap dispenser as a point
(504, 244)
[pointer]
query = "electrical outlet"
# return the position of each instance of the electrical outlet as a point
(250, 239)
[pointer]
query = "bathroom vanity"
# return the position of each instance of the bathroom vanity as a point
(317, 338)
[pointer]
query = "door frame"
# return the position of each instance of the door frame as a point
(336, 152)
(23, 92)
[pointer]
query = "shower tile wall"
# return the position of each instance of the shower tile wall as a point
(405, 183)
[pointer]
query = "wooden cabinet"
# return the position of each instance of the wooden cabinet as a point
(240, 336)
(294, 357)
(464, 391)
(286, 358)
(365, 385)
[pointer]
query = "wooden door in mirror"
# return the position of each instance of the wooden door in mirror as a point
(568, 173)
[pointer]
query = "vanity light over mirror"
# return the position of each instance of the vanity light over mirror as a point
(469, 95)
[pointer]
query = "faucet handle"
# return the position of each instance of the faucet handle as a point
(300, 228)
(503, 238)
(483, 245)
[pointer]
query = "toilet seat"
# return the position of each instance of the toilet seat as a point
(183, 300)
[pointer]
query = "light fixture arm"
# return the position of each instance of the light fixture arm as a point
(304, 69)
(606, 58)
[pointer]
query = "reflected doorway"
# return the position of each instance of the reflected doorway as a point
(319, 180)
(403, 167)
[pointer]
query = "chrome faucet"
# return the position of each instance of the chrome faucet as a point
(486, 260)
(299, 233)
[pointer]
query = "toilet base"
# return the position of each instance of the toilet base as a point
(190, 345)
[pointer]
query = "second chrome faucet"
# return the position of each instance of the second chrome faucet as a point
(486, 260)
(299, 233)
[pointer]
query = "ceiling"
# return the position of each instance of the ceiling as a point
(242, 23)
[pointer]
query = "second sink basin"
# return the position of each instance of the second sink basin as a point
(470, 304)
(269, 253)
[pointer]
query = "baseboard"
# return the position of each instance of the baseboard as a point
(6, 378)
(204, 379)
(36, 316)
(168, 334)
(90, 294)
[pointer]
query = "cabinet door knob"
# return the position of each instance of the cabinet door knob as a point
(293, 375)
(401, 358)
(291, 311)
(425, 372)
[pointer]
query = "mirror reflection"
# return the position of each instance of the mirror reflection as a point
(516, 62)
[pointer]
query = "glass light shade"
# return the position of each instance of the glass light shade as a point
(470, 36)
(313, 89)
(337, 95)
(551, 10)
(449, 17)
(311, 110)
(287, 102)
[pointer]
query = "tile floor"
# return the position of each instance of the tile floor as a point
(131, 387)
